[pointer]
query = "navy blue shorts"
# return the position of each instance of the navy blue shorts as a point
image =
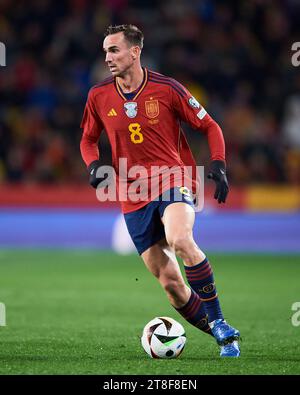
(145, 226)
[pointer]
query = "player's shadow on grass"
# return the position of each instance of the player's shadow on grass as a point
(182, 359)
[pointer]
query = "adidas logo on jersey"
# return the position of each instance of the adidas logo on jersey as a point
(112, 113)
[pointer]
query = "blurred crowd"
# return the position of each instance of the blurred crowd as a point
(234, 56)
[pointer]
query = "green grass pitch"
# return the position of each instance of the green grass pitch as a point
(82, 312)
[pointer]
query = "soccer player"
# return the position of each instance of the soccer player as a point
(141, 110)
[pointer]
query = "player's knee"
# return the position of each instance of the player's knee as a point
(181, 244)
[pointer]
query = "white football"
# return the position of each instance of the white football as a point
(164, 338)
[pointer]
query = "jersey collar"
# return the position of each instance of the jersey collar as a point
(139, 90)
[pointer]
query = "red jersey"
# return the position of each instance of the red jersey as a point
(146, 129)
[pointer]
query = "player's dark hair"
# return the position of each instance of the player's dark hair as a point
(131, 33)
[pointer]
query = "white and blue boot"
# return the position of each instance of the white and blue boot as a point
(227, 337)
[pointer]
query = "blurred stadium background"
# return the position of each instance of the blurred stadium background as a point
(234, 56)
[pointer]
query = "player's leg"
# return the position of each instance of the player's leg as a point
(147, 232)
(178, 219)
(161, 261)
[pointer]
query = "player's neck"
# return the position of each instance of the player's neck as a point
(131, 80)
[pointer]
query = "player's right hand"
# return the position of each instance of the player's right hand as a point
(92, 169)
(218, 174)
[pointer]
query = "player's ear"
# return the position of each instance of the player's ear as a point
(135, 52)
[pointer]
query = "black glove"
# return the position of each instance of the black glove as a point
(92, 169)
(218, 174)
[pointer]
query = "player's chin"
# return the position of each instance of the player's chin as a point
(115, 72)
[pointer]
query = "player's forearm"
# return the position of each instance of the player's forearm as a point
(218, 164)
(215, 140)
(89, 149)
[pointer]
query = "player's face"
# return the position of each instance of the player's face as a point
(119, 54)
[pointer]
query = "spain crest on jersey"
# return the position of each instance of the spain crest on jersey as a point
(152, 108)
(130, 109)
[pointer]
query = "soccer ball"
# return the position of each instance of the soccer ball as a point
(164, 338)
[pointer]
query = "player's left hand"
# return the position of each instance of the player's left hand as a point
(94, 180)
(218, 174)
